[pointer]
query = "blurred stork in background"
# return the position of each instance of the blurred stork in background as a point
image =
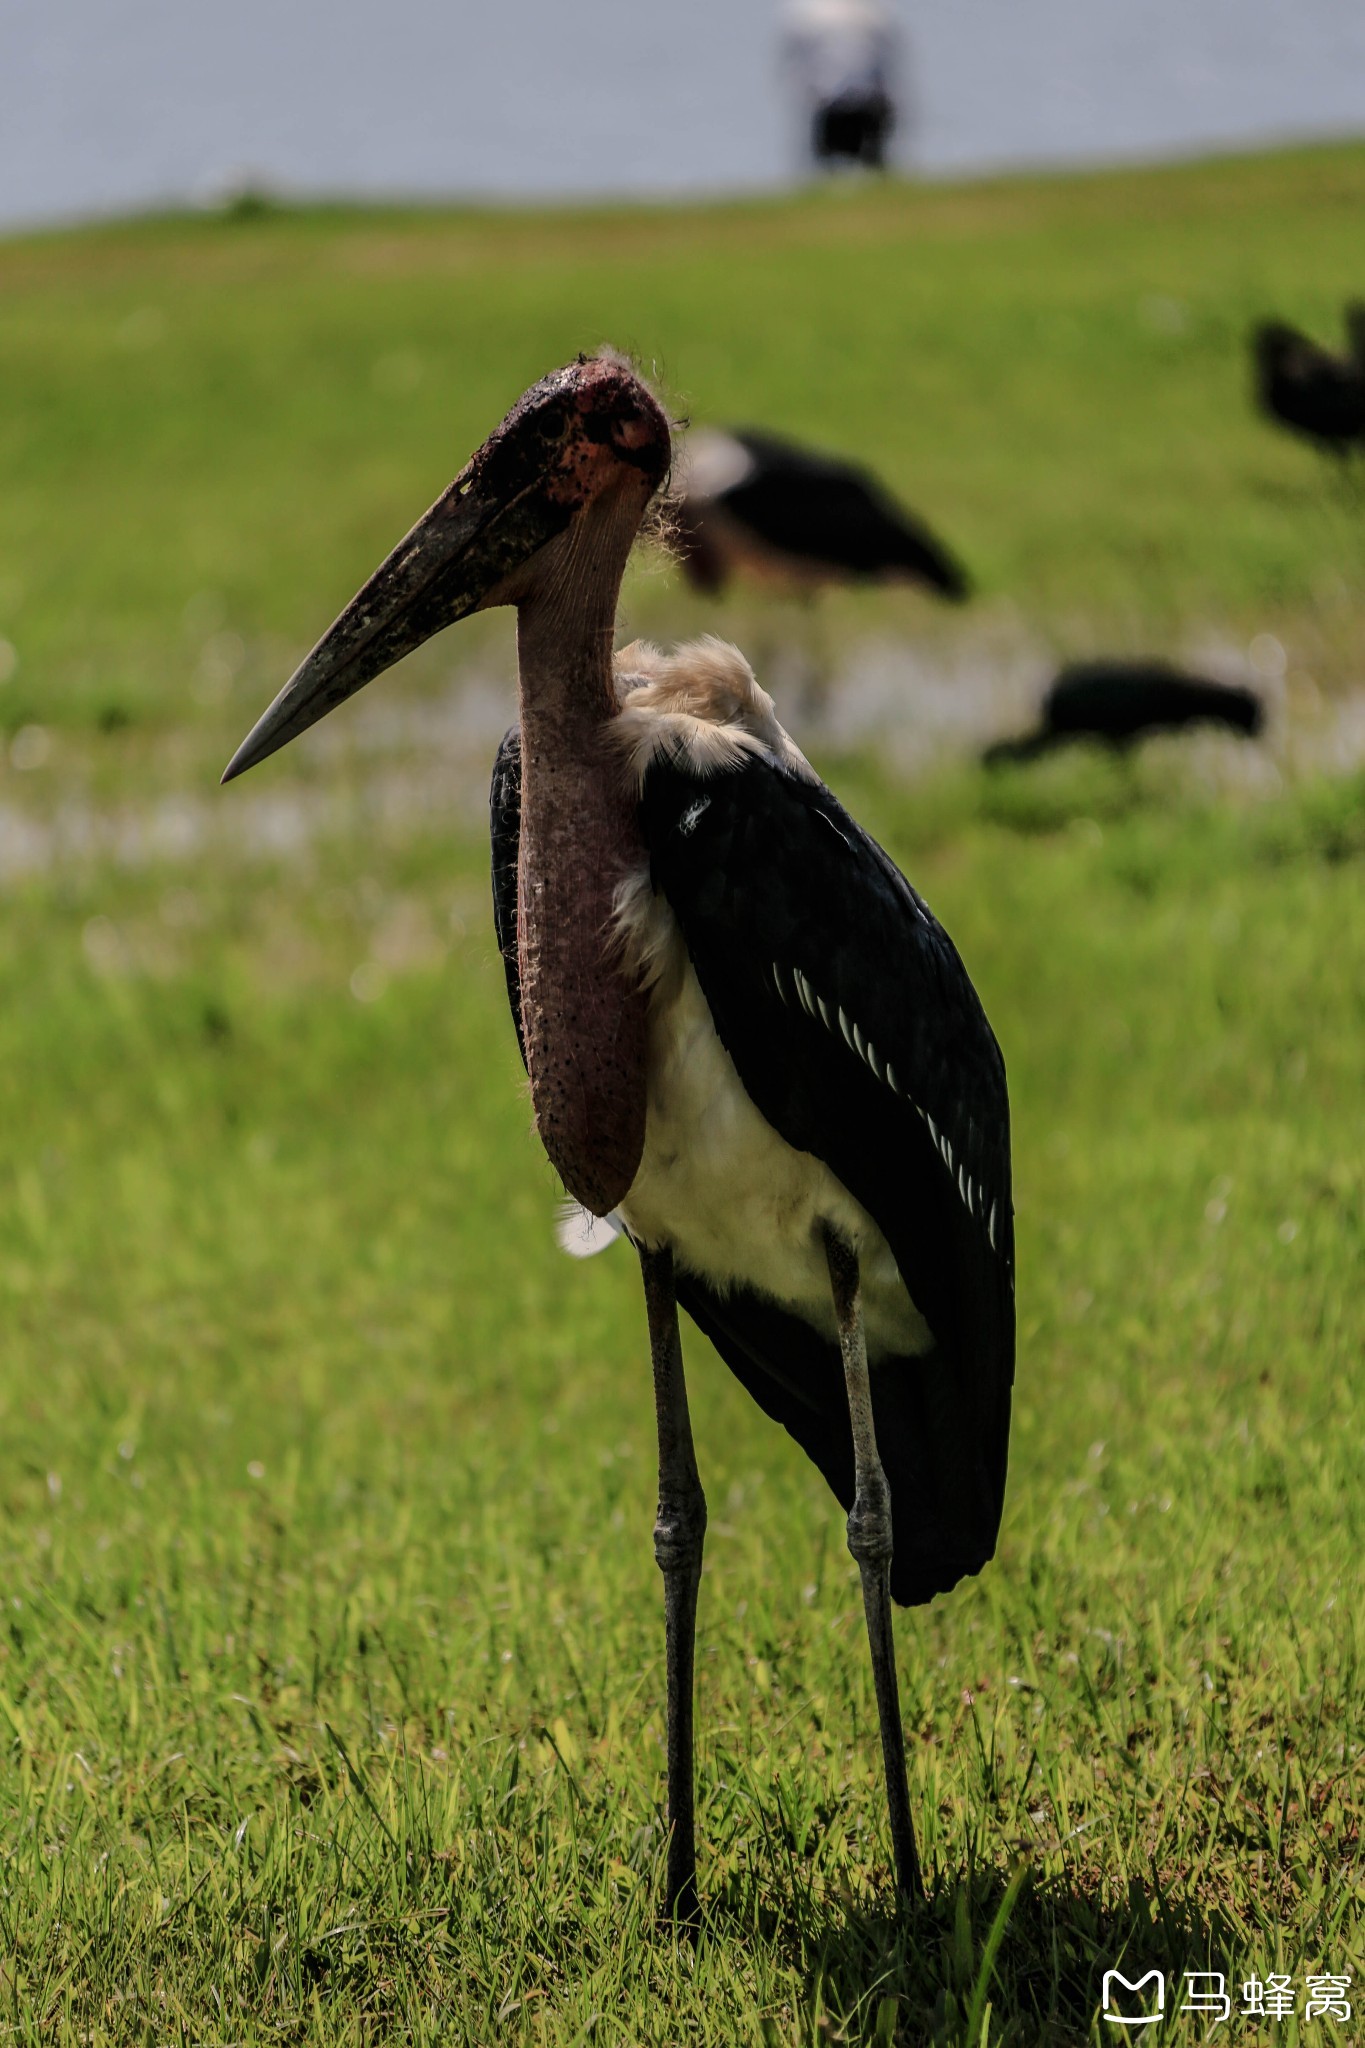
(1119, 702)
(842, 56)
(1310, 389)
(747, 1038)
(754, 502)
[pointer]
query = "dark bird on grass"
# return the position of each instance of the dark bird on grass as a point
(751, 501)
(749, 1043)
(1309, 389)
(1122, 701)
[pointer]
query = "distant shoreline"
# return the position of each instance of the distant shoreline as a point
(157, 109)
(256, 201)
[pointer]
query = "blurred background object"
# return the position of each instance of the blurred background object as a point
(153, 104)
(753, 501)
(1122, 701)
(1308, 388)
(841, 56)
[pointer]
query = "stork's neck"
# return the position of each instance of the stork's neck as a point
(583, 1019)
(564, 668)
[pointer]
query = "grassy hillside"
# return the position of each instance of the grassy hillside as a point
(218, 426)
(331, 1689)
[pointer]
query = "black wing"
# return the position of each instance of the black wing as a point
(504, 817)
(858, 1035)
(832, 512)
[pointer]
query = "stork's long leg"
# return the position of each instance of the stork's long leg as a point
(870, 1541)
(679, 1529)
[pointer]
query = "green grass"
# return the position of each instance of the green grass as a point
(331, 1690)
(220, 426)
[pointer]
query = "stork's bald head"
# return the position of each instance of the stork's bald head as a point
(588, 440)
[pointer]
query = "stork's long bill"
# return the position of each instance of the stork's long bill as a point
(543, 518)
(575, 444)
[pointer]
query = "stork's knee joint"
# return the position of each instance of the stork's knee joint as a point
(869, 1524)
(679, 1528)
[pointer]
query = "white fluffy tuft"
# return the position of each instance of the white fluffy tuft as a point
(700, 704)
(583, 1235)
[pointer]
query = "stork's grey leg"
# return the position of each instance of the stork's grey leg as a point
(679, 1529)
(869, 1539)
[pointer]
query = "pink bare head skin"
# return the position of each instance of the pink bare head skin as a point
(620, 412)
(582, 430)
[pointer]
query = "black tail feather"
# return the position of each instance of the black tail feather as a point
(944, 1514)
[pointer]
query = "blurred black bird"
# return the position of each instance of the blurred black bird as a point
(1120, 701)
(755, 501)
(1309, 389)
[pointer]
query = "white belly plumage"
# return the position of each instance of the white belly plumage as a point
(740, 1206)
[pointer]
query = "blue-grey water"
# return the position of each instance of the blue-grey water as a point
(107, 105)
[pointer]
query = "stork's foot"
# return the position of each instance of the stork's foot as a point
(682, 1902)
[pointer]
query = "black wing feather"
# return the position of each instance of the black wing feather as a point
(793, 915)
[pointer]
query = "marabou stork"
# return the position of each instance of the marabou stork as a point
(1309, 389)
(754, 501)
(746, 1036)
(1122, 701)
